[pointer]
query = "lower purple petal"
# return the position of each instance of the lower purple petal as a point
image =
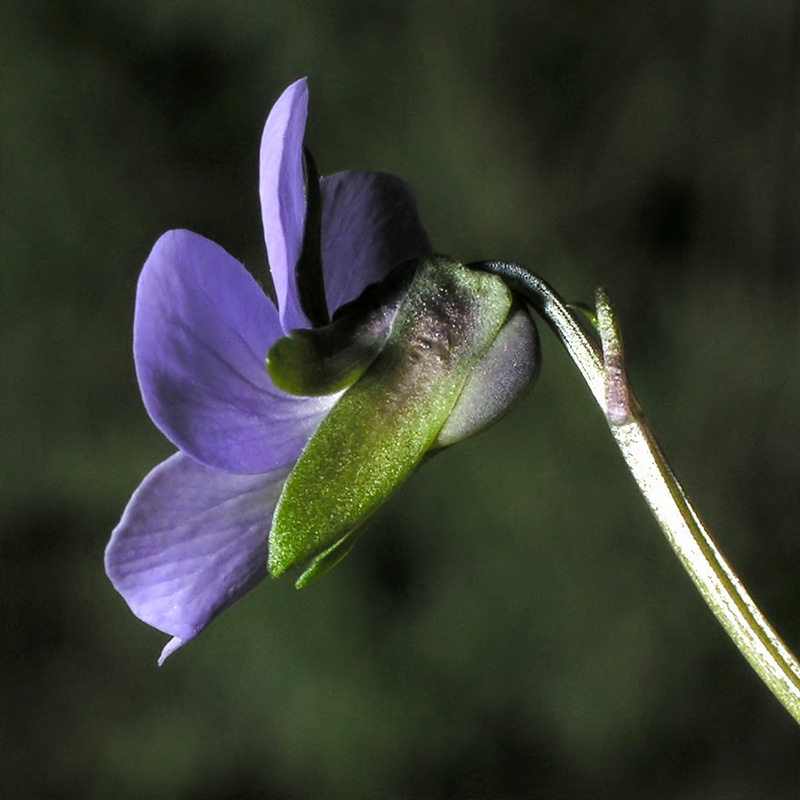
(191, 542)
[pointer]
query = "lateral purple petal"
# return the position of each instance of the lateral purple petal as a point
(202, 330)
(191, 542)
(283, 203)
(370, 225)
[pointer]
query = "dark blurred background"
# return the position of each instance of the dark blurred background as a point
(514, 625)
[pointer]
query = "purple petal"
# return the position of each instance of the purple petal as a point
(202, 329)
(191, 542)
(369, 226)
(283, 203)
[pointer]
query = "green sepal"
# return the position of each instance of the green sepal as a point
(383, 425)
(326, 560)
(308, 363)
(311, 362)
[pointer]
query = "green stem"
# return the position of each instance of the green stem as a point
(604, 372)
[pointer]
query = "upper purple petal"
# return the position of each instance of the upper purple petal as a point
(370, 225)
(191, 542)
(202, 329)
(283, 203)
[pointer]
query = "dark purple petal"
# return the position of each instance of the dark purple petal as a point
(202, 330)
(191, 542)
(369, 226)
(283, 203)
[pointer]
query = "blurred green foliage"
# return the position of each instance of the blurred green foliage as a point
(514, 625)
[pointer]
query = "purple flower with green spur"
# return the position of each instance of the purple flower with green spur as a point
(294, 423)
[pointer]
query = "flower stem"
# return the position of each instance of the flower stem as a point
(603, 369)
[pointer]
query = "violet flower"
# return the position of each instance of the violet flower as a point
(415, 364)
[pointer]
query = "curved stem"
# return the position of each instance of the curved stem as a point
(603, 370)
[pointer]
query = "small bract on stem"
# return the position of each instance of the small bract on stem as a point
(603, 369)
